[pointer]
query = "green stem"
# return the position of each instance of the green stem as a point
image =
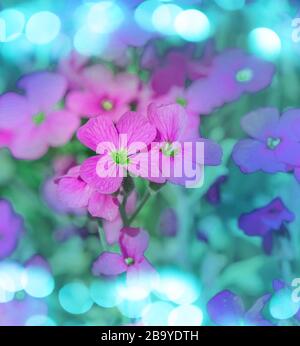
(140, 207)
(122, 210)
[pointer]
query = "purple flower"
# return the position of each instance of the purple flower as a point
(213, 194)
(133, 243)
(33, 122)
(227, 309)
(232, 74)
(263, 222)
(274, 144)
(11, 228)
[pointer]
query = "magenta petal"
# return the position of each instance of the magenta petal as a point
(44, 89)
(257, 123)
(169, 120)
(84, 103)
(73, 191)
(98, 130)
(142, 273)
(30, 142)
(109, 263)
(137, 128)
(103, 206)
(134, 242)
(88, 173)
(112, 230)
(61, 127)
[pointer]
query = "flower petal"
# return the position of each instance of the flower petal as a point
(103, 206)
(133, 243)
(109, 263)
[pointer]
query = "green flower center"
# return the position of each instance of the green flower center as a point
(129, 261)
(39, 118)
(244, 75)
(169, 150)
(107, 105)
(120, 157)
(272, 142)
(181, 101)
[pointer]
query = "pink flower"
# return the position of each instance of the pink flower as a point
(33, 122)
(116, 146)
(76, 193)
(71, 67)
(176, 150)
(133, 243)
(103, 93)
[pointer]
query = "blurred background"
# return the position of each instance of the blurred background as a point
(195, 242)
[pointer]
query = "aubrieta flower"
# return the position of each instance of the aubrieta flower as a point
(116, 149)
(168, 224)
(76, 193)
(133, 244)
(170, 122)
(274, 144)
(11, 228)
(266, 221)
(33, 122)
(232, 74)
(227, 309)
(103, 93)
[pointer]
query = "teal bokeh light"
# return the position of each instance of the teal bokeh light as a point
(231, 5)
(144, 12)
(42, 27)
(177, 287)
(11, 24)
(186, 315)
(89, 43)
(163, 18)
(282, 306)
(105, 293)
(265, 43)
(156, 314)
(192, 25)
(105, 17)
(75, 298)
(37, 282)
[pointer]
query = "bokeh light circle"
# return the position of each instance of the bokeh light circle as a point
(42, 27)
(144, 12)
(89, 43)
(156, 314)
(37, 282)
(104, 17)
(75, 298)
(163, 18)
(282, 306)
(265, 42)
(105, 293)
(12, 23)
(192, 25)
(185, 315)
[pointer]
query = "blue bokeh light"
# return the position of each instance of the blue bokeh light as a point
(89, 43)
(105, 293)
(143, 14)
(282, 306)
(156, 314)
